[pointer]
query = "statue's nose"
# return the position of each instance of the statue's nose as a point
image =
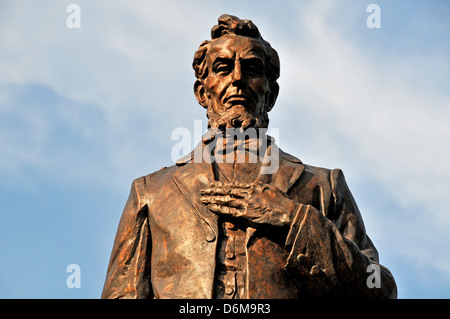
(237, 72)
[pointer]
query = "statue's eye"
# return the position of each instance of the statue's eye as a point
(254, 67)
(222, 67)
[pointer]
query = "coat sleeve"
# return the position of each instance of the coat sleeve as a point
(335, 256)
(128, 274)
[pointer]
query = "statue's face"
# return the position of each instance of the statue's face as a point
(236, 81)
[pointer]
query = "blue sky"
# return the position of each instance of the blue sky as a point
(85, 111)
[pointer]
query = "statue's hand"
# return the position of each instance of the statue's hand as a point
(256, 202)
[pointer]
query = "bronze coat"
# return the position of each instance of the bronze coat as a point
(165, 246)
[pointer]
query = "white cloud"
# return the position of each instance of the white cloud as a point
(381, 117)
(396, 127)
(373, 116)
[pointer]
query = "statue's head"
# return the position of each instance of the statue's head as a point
(237, 72)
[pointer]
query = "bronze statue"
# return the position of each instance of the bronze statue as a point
(224, 225)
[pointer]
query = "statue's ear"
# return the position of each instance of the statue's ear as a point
(272, 96)
(200, 94)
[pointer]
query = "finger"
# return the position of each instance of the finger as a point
(238, 192)
(221, 200)
(214, 191)
(215, 184)
(237, 203)
(224, 210)
(234, 184)
(240, 185)
(215, 208)
(234, 191)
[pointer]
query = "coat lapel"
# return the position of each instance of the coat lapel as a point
(190, 180)
(282, 174)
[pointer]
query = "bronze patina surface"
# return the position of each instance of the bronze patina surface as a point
(230, 223)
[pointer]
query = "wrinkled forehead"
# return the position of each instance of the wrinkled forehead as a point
(232, 46)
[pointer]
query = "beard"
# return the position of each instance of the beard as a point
(236, 128)
(236, 117)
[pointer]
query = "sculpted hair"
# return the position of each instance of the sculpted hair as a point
(229, 24)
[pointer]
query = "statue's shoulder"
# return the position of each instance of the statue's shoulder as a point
(308, 168)
(154, 179)
(290, 158)
(330, 177)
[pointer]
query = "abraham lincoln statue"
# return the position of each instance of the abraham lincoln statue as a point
(223, 223)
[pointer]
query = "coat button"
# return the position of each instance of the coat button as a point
(230, 255)
(302, 259)
(315, 270)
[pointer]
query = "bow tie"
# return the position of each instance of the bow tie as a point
(224, 145)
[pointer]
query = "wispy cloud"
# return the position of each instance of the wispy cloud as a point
(372, 116)
(98, 103)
